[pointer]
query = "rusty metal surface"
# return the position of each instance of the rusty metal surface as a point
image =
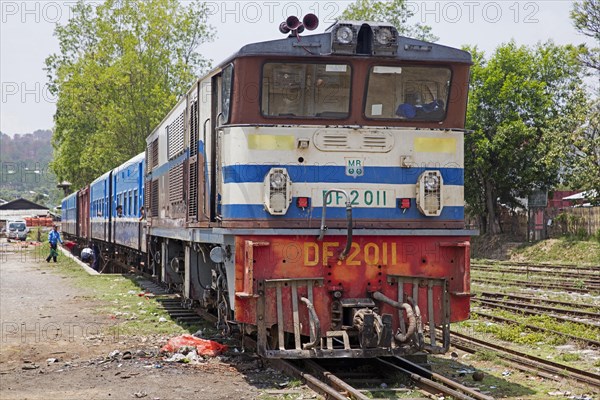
(422, 270)
(83, 213)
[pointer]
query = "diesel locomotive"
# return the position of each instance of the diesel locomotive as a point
(309, 191)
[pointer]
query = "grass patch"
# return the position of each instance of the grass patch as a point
(485, 355)
(519, 333)
(569, 357)
(563, 250)
(118, 300)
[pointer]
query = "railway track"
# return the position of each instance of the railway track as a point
(525, 362)
(575, 287)
(373, 378)
(586, 318)
(591, 308)
(530, 264)
(588, 276)
(171, 303)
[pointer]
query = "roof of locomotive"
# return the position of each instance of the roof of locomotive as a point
(321, 45)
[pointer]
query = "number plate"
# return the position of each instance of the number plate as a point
(359, 198)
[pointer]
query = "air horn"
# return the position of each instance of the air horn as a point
(293, 24)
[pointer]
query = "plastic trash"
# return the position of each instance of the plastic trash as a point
(203, 347)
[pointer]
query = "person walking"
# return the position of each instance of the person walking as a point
(53, 239)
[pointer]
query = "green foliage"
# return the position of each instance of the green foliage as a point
(582, 161)
(485, 355)
(121, 67)
(521, 102)
(586, 18)
(512, 333)
(25, 171)
(395, 12)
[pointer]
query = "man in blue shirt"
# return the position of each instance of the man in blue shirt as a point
(53, 239)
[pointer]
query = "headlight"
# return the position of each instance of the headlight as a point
(277, 180)
(344, 35)
(384, 36)
(429, 192)
(277, 191)
(432, 182)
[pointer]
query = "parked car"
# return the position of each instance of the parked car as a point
(17, 230)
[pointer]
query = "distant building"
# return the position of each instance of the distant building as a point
(21, 209)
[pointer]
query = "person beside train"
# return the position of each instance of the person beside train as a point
(96, 251)
(87, 255)
(53, 239)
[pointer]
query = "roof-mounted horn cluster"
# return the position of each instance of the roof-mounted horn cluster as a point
(362, 38)
(292, 24)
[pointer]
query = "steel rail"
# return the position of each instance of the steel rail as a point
(430, 386)
(311, 381)
(528, 309)
(540, 300)
(506, 282)
(574, 281)
(550, 367)
(539, 271)
(409, 365)
(528, 264)
(336, 381)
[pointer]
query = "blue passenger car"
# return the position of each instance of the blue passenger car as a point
(100, 207)
(127, 182)
(69, 215)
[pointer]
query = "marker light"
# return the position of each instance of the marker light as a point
(404, 203)
(302, 202)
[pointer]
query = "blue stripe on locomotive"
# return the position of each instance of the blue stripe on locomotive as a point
(257, 211)
(337, 174)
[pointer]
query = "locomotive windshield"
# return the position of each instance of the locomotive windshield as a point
(407, 93)
(306, 90)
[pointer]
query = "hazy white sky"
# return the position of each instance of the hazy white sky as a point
(26, 37)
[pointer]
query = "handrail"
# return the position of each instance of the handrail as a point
(323, 228)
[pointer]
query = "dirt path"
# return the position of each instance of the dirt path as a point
(54, 345)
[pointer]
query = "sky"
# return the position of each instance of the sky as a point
(26, 37)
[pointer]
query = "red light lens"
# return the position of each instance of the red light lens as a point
(404, 203)
(302, 202)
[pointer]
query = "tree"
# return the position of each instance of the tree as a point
(395, 12)
(586, 18)
(121, 67)
(583, 161)
(521, 102)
